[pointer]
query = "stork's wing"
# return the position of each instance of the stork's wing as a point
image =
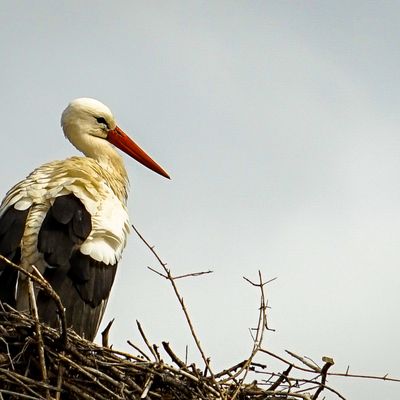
(12, 225)
(82, 283)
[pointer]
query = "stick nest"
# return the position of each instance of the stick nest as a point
(81, 369)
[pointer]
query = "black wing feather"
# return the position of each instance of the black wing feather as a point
(12, 225)
(93, 279)
(82, 283)
(81, 224)
(64, 208)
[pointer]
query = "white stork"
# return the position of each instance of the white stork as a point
(69, 219)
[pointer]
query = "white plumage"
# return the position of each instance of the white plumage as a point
(79, 176)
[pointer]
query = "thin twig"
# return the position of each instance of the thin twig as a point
(328, 363)
(59, 380)
(20, 396)
(258, 339)
(149, 346)
(173, 356)
(106, 333)
(139, 350)
(309, 364)
(147, 387)
(193, 274)
(281, 378)
(38, 330)
(181, 301)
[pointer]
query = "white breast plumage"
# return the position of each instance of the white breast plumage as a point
(80, 176)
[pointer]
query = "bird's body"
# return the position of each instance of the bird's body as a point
(69, 219)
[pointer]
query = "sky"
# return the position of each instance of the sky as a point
(278, 122)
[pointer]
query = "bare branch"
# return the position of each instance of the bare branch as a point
(309, 364)
(328, 363)
(106, 333)
(149, 346)
(173, 356)
(40, 344)
(193, 274)
(180, 299)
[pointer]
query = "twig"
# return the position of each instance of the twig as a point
(281, 378)
(193, 274)
(193, 378)
(181, 301)
(149, 346)
(147, 387)
(59, 380)
(328, 363)
(20, 396)
(361, 376)
(189, 275)
(312, 361)
(90, 372)
(309, 364)
(285, 361)
(38, 330)
(139, 350)
(258, 339)
(173, 356)
(106, 333)
(23, 382)
(285, 395)
(228, 371)
(258, 284)
(8, 352)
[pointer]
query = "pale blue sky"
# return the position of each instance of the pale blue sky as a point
(279, 124)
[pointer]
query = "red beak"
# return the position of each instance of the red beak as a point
(121, 140)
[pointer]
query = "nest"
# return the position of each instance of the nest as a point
(36, 363)
(41, 363)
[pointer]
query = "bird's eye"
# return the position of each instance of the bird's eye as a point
(101, 120)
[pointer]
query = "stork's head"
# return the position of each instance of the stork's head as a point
(89, 125)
